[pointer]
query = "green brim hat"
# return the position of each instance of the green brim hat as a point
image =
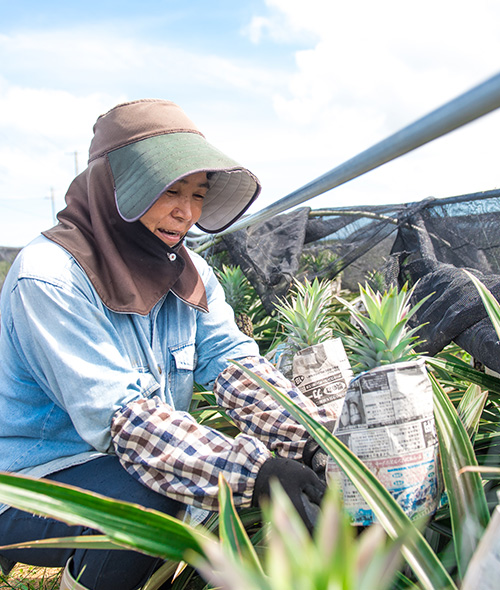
(150, 145)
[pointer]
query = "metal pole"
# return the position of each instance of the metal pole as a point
(75, 159)
(76, 163)
(53, 204)
(475, 103)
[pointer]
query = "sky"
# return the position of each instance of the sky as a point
(290, 89)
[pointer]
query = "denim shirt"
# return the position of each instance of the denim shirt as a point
(69, 363)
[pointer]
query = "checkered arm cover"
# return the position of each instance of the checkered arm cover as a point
(172, 454)
(256, 413)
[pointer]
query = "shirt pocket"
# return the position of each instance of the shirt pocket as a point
(181, 380)
(184, 357)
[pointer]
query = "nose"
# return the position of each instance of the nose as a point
(183, 208)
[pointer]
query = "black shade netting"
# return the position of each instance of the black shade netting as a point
(431, 251)
(269, 253)
(428, 243)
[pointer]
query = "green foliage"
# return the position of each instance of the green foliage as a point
(29, 577)
(416, 550)
(250, 315)
(467, 403)
(206, 412)
(322, 263)
(123, 524)
(238, 291)
(333, 558)
(382, 336)
(376, 280)
(306, 313)
(468, 507)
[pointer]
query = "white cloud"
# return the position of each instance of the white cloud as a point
(43, 128)
(257, 28)
(360, 71)
(78, 58)
(375, 67)
(50, 113)
(390, 55)
(44, 121)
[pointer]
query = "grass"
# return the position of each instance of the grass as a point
(29, 577)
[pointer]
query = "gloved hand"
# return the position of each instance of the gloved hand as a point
(315, 458)
(302, 485)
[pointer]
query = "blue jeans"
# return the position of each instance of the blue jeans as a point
(104, 569)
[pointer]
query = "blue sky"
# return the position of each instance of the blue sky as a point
(291, 89)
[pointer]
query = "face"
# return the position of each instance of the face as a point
(177, 209)
(344, 416)
(354, 415)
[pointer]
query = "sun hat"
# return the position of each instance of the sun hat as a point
(150, 144)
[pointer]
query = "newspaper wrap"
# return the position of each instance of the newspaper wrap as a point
(322, 372)
(387, 420)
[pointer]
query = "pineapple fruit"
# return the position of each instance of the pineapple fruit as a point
(381, 334)
(239, 295)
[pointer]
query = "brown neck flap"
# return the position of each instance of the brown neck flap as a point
(130, 268)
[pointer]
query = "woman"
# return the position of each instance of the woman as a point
(107, 320)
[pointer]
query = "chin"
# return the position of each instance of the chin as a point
(170, 243)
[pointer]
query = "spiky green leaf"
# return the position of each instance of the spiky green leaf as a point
(233, 536)
(128, 525)
(468, 506)
(389, 514)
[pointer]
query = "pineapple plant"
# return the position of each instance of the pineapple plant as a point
(380, 334)
(320, 263)
(387, 415)
(306, 315)
(376, 279)
(239, 295)
(311, 357)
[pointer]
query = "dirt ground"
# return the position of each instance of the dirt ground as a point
(28, 577)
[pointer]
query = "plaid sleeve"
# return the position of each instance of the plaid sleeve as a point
(256, 413)
(171, 453)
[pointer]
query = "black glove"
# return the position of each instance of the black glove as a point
(315, 458)
(302, 485)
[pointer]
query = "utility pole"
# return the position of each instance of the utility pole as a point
(75, 153)
(75, 156)
(53, 203)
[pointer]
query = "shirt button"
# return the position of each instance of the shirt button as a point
(159, 370)
(172, 256)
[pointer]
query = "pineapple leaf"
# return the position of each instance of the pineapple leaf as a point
(383, 335)
(305, 315)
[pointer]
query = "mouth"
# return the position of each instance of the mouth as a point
(169, 236)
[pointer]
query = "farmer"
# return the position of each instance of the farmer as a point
(108, 320)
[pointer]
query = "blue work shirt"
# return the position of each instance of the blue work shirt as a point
(69, 363)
